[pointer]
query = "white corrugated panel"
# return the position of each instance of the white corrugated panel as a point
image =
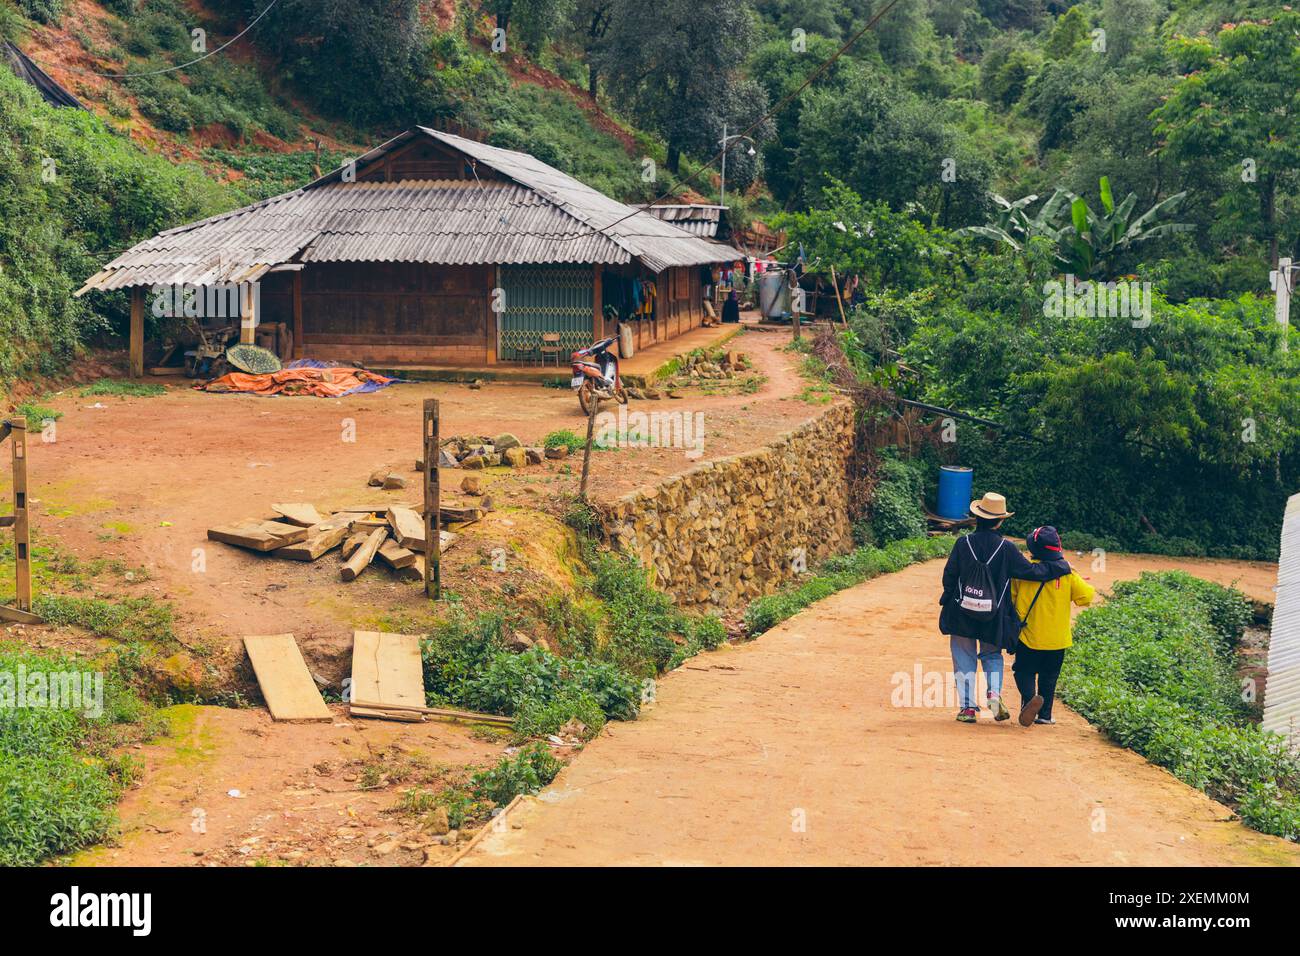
(1282, 693)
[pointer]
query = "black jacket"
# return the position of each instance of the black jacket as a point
(1008, 563)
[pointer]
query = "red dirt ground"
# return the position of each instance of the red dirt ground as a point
(142, 479)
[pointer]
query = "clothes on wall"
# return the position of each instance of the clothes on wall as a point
(632, 297)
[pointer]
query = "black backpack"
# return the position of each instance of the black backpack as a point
(976, 595)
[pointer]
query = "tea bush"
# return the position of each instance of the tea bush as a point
(1153, 667)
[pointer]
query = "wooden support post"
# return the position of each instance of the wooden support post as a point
(137, 332)
(597, 314)
(22, 528)
(248, 314)
(586, 456)
(432, 503)
(297, 315)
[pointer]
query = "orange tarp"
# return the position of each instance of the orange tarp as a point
(321, 382)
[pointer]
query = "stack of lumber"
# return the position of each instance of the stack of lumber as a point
(393, 535)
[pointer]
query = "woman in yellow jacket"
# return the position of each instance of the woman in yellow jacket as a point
(1045, 610)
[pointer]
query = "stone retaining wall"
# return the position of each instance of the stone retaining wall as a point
(733, 529)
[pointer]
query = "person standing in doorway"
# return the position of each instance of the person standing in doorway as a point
(977, 611)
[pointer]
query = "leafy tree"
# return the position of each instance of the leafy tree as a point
(533, 21)
(886, 143)
(1128, 25)
(674, 63)
(1068, 35)
(1238, 105)
(867, 239)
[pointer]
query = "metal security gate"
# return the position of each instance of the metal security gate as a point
(541, 300)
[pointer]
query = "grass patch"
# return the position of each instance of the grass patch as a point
(117, 387)
(1153, 667)
(37, 414)
(564, 438)
(843, 571)
(59, 776)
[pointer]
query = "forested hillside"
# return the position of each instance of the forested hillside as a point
(960, 157)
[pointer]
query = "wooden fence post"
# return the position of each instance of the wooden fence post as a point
(432, 503)
(586, 456)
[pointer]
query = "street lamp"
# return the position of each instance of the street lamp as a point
(725, 143)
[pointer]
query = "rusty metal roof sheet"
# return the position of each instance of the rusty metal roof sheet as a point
(699, 219)
(538, 215)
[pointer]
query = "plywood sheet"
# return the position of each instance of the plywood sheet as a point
(386, 669)
(282, 674)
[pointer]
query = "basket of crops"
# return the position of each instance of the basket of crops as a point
(251, 359)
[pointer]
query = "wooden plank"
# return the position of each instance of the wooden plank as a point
(320, 539)
(368, 524)
(299, 513)
(8, 613)
(444, 713)
(395, 556)
(407, 527)
(387, 673)
(286, 683)
(355, 540)
(137, 333)
(258, 535)
(365, 554)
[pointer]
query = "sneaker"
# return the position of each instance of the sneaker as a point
(1029, 711)
(967, 715)
(1044, 720)
(999, 709)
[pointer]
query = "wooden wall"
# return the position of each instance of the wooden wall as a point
(400, 313)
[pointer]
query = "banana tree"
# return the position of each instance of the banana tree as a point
(1094, 242)
(1086, 244)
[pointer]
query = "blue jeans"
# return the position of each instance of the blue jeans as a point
(965, 652)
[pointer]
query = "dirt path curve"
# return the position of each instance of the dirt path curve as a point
(745, 745)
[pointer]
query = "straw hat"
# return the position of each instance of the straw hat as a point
(992, 505)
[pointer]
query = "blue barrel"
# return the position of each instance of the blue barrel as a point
(954, 491)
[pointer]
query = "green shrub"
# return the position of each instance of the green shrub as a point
(527, 771)
(1154, 668)
(59, 778)
(564, 438)
(896, 511)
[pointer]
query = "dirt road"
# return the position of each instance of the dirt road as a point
(790, 750)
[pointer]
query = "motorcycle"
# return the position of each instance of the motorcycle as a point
(595, 374)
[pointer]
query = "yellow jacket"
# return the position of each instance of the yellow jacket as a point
(1048, 626)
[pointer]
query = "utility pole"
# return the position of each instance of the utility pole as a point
(1281, 280)
(725, 143)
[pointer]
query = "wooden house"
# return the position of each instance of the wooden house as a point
(434, 250)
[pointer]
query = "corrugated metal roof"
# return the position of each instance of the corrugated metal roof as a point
(699, 219)
(1282, 694)
(540, 216)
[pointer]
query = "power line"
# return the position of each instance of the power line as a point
(182, 66)
(785, 101)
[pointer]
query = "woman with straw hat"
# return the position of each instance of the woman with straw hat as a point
(977, 613)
